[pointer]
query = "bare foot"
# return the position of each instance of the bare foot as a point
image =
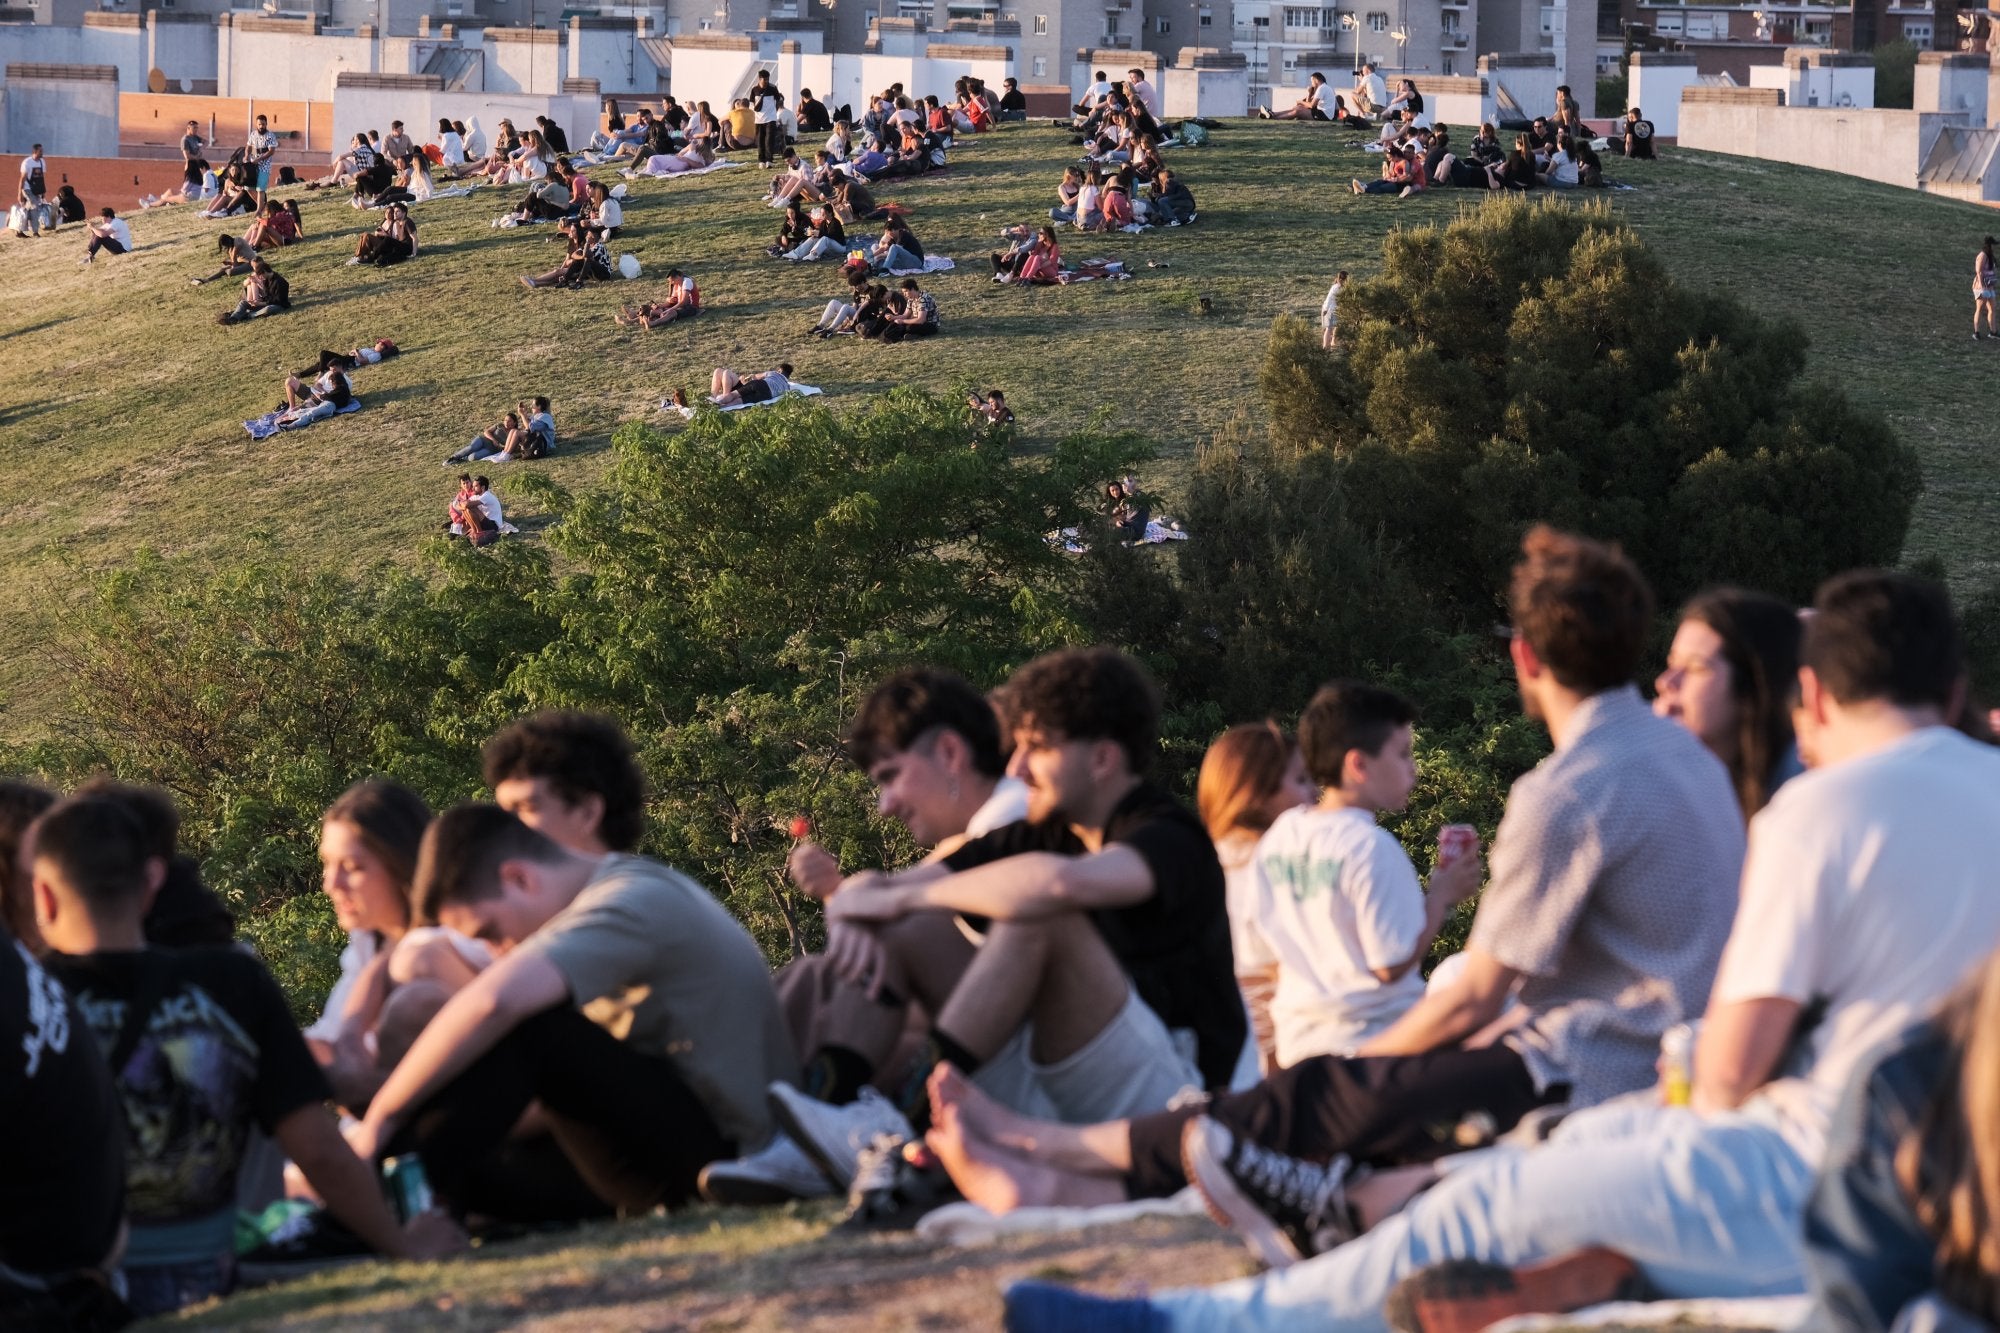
(997, 1180)
(978, 1112)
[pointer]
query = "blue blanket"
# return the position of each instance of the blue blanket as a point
(264, 427)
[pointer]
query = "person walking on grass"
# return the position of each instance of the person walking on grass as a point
(1982, 291)
(1329, 328)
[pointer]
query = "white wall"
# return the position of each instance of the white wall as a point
(716, 75)
(68, 117)
(181, 50)
(1213, 93)
(524, 67)
(1874, 144)
(357, 109)
(613, 58)
(1952, 87)
(1656, 91)
(291, 66)
(1814, 85)
(45, 44)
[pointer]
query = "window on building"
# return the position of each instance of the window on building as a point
(1041, 25)
(1163, 26)
(1447, 66)
(1917, 32)
(1819, 31)
(1667, 25)
(1301, 18)
(1700, 27)
(1378, 21)
(1548, 20)
(1448, 20)
(1041, 67)
(1110, 26)
(705, 25)
(1205, 16)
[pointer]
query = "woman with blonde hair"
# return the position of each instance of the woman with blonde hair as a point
(1250, 775)
(1903, 1229)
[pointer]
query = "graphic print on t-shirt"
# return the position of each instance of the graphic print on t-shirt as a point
(187, 1093)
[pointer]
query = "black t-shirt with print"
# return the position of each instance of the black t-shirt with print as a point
(62, 1144)
(218, 1052)
(1175, 944)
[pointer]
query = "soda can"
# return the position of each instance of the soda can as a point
(409, 1189)
(1677, 1064)
(1454, 841)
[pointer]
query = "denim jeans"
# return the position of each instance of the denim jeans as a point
(819, 249)
(163, 1288)
(1706, 1206)
(899, 258)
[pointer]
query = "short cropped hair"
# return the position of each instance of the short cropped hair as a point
(21, 804)
(1090, 694)
(1348, 715)
(909, 705)
(99, 849)
(153, 808)
(459, 860)
(1583, 607)
(578, 755)
(1880, 635)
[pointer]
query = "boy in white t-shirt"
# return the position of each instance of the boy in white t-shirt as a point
(1329, 328)
(1339, 910)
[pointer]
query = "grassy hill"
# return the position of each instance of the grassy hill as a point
(121, 398)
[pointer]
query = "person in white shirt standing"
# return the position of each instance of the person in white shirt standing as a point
(263, 146)
(1339, 909)
(1866, 897)
(1329, 314)
(33, 198)
(765, 102)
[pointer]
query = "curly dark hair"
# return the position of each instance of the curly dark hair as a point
(1090, 694)
(578, 755)
(1583, 607)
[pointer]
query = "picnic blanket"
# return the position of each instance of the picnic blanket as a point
(1770, 1313)
(455, 192)
(646, 170)
(1070, 540)
(932, 264)
(1090, 270)
(264, 427)
(969, 1224)
(802, 390)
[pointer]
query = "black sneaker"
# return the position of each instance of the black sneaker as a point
(1284, 1208)
(890, 1192)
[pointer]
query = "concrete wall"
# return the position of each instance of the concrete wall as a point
(1874, 144)
(71, 110)
(1952, 81)
(1846, 83)
(523, 60)
(608, 50)
(369, 108)
(182, 47)
(119, 45)
(1655, 84)
(286, 59)
(1530, 79)
(1204, 82)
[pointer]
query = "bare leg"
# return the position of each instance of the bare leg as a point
(1382, 1194)
(1082, 1150)
(1056, 972)
(292, 391)
(722, 381)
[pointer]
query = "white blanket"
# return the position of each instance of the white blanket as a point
(932, 264)
(1770, 1313)
(716, 165)
(969, 1224)
(802, 390)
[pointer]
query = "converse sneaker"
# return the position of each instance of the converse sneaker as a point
(776, 1173)
(833, 1136)
(1284, 1208)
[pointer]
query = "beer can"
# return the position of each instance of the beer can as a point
(1454, 841)
(1677, 1064)
(409, 1189)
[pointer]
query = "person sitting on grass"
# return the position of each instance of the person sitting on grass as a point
(682, 301)
(852, 202)
(476, 515)
(824, 237)
(840, 314)
(897, 249)
(1637, 133)
(626, 1000)
(377, 177)
(413, 183)
(547, 199)
(1117, 203)
(1037, 261)
(493, 165)
(265, 292)
(588, 261)
(201, 1043)
(327, 394)
(1067, 192)
(1402, 170)
(529, 431)
(236, 190)
(993, 407)
(1169, 203)
(792, 230)
(278, 226)
(109, 234)
(598, 209)
(394, 241)
(1313, 106)
(694, 157)
(237, 256)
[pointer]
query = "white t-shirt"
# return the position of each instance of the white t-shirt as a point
(31, 165)
(1148, 95)
(1867, 895)
(1096, 93)
(1562, 168)
(1089, 200)
(262, 144)
(611, 214)
(1376, 91)
(1326, 311)
(362, 946)
(1007, 805)
(117, 231)
(765, 104)
(1335, 899)
(491, 504)
(451, 148)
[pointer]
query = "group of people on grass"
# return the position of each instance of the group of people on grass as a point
(1087, 992)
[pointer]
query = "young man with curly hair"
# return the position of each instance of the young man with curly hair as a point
(572, 778)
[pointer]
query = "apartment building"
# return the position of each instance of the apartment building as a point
(1284, 41)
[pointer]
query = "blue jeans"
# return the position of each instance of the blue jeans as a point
(819, 249)
(1706, 1206)
(163, 1288)
(899, 258)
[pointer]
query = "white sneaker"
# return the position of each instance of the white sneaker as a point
(833, 1136)
(775, 1173)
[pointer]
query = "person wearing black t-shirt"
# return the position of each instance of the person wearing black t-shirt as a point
(201, 1044)
(1102, 922)
(812, 113)
(62, 1155)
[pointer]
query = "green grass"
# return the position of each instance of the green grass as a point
(120, 397)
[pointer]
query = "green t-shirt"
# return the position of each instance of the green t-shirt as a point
(652, 958)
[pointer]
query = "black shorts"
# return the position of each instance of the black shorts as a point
(754, 391)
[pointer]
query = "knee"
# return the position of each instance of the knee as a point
(408, 1011)
(427, 955)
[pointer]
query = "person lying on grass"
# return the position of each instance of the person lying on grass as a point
(728, 389)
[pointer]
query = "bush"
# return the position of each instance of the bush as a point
(1895, 74)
